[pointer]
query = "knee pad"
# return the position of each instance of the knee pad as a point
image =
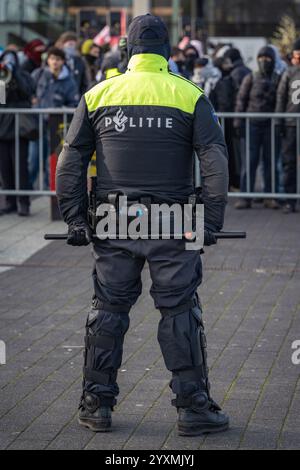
(180, 335)
(104, 345)
(183, 343)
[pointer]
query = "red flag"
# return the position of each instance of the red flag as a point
(103, 37)
(123, 22)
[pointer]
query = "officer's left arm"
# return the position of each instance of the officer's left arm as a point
(71, 175)
(210, 146)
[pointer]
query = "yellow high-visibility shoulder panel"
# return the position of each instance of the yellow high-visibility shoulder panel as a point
(148, 84)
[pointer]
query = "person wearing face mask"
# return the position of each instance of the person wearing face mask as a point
(190, 55)
(33, 55)
(206, 75)
(238, 69)
(222, 97)
(258, 95)
(288, 102)
(91, 54)
(19, 89)
(68, 43)
(177, 57)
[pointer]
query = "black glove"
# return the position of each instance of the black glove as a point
(209, 238)
(79, 234)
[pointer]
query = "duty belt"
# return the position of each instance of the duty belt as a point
(143, 206)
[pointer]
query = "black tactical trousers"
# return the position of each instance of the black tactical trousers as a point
(176, 274)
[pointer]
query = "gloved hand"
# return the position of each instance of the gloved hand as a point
(209, 238)
(79, 233)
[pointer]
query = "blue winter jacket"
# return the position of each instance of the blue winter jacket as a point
(54, 92)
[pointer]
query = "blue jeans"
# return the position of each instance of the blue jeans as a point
(34, 161)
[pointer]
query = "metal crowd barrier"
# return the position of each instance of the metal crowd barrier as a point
(273, 117)
(65, 112)
(41, 191)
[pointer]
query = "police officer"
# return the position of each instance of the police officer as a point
(145, 126)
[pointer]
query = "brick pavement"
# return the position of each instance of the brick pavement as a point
(251, 296)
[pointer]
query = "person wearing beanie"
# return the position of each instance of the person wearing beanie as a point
(258, 95)
(91, 54)
(191, 55)
(68, 42)
(33, 52)
(146, 126)
(223, 97)
(110, 66)
(288, 102)
(239, 69)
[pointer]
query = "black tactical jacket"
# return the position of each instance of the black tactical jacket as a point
(145, 126)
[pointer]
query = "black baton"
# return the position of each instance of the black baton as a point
(218, 235)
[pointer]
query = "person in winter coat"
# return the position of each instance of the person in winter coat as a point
(33, 52)
(19, 90)
(288, 102)
(223, 94)
(222, 97)
(190, 56)
(54, 88)
(109, 66)
(177, 56)
(91, 54)
(69, 44)
(206, 75)
(280, 65)
(239, 69)
(258, 95)
(238, 72)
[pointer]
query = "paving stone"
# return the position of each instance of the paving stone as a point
(250, 295)
(21, 444)
(149, 435)
(260, 437)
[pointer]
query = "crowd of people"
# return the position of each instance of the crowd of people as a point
(58, 74)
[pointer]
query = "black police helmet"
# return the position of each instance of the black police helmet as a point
(148, 34)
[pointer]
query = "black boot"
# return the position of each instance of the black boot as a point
(92, 415)
(23, 210)
(186, 356)
(9, 209)
(23, 206)
(203, 416)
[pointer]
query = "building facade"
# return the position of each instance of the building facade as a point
(22, 20)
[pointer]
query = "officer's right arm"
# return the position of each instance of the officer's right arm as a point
(211, 149)
(71, 175)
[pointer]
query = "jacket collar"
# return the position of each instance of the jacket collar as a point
(63, 74)
(148, 63)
